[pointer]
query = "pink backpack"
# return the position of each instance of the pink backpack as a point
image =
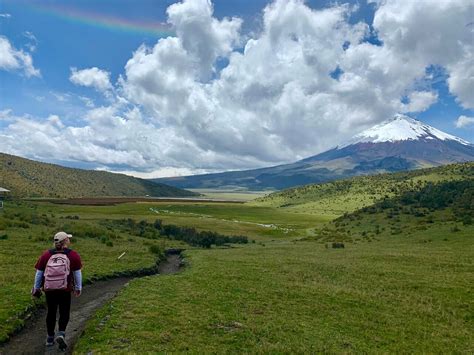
(56, 272)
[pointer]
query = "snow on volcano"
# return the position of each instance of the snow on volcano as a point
(401, 128)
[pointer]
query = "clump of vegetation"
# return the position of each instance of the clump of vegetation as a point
(204, 239)
(157, 250)
(189, 235)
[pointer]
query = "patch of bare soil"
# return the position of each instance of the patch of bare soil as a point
(111, 201)
(31, 339)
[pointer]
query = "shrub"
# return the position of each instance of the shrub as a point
(454, 229)
(157, 250)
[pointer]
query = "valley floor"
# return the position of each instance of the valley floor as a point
(388, 296)
(284, 292)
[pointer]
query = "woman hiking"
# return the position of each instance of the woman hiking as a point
(58, 272)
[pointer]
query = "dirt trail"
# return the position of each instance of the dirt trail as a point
(31, 338)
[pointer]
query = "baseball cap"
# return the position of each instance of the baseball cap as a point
(60, 236)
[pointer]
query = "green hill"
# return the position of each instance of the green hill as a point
(339, 197)
(27, 178)
(436, 211)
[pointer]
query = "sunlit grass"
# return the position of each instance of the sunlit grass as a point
(394, 295)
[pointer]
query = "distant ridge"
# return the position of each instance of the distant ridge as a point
(397, 144)
(28, 178)
(348, 195)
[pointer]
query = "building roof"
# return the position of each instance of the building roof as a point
(4, 190)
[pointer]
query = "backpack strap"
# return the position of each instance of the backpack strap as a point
(65, 251)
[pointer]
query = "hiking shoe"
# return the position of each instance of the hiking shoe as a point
(61, 340)
(49, 340)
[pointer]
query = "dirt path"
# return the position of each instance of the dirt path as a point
(31, 339)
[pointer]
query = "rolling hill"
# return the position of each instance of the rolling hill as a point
(438, 211)
(398, 144)
(348, 195)
(28, 178)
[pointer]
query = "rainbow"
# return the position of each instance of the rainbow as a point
(110, 23)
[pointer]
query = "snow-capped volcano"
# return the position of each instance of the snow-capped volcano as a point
(401, 128)
(400, 143)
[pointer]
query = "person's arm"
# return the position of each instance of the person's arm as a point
(77, 280)
(76, 265)
(40, 266)
(38, 279)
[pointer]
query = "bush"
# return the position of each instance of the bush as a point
(454, 229)
(204, 239)
(155, 249)
(467, 220)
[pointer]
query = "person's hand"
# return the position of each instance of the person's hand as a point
(77, 293)
(36, 292)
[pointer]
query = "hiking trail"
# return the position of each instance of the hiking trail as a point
(31, 339)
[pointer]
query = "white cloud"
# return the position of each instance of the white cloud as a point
(175, 110)
(33, 42)
(424, 32)
(87, 101)
(420, 101)
(91, 77)
(250, 111)
(162, 172)
(461, 80)
(61, 97)
(12, 59)
(464, 121)
(5, 114)
(5, 15)
(203, 37)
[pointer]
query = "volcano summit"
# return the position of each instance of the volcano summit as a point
(400, 143)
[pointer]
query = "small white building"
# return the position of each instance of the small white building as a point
(3, 192)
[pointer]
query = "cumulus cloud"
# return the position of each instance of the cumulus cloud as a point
(464, 121)
(420, 33)
(276, 99)
(91, 77)
(163, 172)
(108, 136)
(420, 101)
(267, 103)
(12, 59)
(203, 37)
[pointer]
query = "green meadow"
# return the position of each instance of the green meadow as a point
(236, 194)
(402, 283)
(26, 230)
(394, 295)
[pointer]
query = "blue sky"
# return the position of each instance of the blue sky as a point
(61, 35)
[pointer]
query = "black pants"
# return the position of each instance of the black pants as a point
(55, 299)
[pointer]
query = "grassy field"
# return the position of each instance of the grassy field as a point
(236, 195)
(403, 282)
(228, 218)
(394, 295)
(26, 230)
